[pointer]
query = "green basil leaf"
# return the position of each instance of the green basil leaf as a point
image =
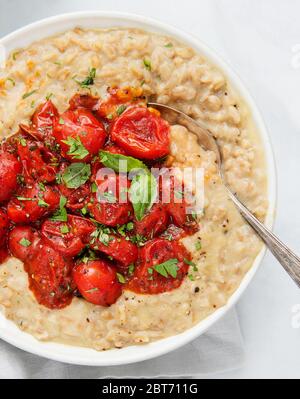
(142, 193)
(76, 175)
(61, 214)
(112, 161)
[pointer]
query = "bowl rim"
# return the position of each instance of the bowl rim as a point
(9, 332)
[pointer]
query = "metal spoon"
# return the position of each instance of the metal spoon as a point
(287, 258)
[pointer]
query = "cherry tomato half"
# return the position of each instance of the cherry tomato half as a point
(22, 241)
(141, 133)
(146, 279)
(97, 282)
(50, 276)
(79, 131)
(153, 223)
(120, 249)
(10, 167)
(70, 237)
(83, 101)
(32, 203)
(110, 204)
(35, 167)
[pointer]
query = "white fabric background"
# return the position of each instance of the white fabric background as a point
(261, 40)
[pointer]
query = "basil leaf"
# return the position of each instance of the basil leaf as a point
(76, 175)
(143, 189)
(142, 193)
(76, 149)
(24, 242)
(112, 161)
(168, 268)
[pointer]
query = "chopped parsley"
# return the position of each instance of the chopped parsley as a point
(64, 229)
(89, 80)
(121, 109)
(61, 214)
(28, 94)
(121, 278)
(76, 149)
(42, 203)
(24, 242)
(147, 64)
(168, 268)
(198, 245)
(169, 45)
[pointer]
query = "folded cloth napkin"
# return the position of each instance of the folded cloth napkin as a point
(220, 349)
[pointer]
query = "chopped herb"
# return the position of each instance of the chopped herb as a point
(179, 194)
(109, 116)
(138, 240)
(48, 96)
(42, 186)
(169, 45)
(143, 82)
(12, 81)
(121, 278)
(131, 269)
(32, 104)
(28, 94)
(64, 229)
(76, 175)
(191, 277)
(23, 142)
(76, 149)
(198, 245)
(25, 199)
(168, 268)
(108, 197)
(150, 270)
(89, 80)
(121, 109)
(57, 63)
(24, 242)
(147, 64)
(94, 187)
(42, 203)
(61, 121)
(61, 214)
(188, 262)
(95, 289)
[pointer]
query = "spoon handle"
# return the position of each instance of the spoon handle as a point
(288, 259)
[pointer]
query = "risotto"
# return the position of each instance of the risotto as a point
(86, 64)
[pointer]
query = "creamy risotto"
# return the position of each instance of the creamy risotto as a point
(223, 249)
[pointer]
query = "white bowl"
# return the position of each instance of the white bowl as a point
(76, 355)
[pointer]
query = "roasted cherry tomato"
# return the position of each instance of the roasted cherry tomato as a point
(77, 198)
(4, 223)
(153, 223)
(42, 120)
(35, 159)
(172, 196)
(83, 101)
(141, 133)
(117, 100)
(50, 276)
(147, 280)
(22, 241)
(97, 282)
(79, 134)
(70, 237)
(3, 254)
(120, 249)
(10, 167)
(110, 204)
(114, 149)
(32, 203)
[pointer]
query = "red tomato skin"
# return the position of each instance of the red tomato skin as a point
(141, 133)
(114, 149)
(83, 101)
(71, 243)
(24, 212)
(34, 166)
(42, 122)
(10, 167)
(50, 277)
(82, 124)
(76, 198)
(153, 223)
(153, 253)
(97, 282)
(4, 224)
(105, 212)
(3, 254)
(15, 236)
(120, 249)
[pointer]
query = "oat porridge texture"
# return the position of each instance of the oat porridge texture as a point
(173, 74)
